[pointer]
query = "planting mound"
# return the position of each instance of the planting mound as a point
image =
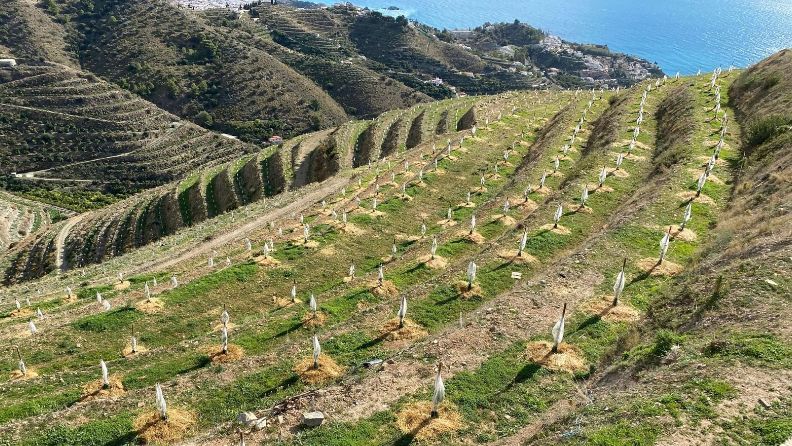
(152, 305)
(97, 390)
(475, 237)
(152, 429)
(387, 289)
(217, 356)
(391, 331)
(127, 352)
(328, 370)
(667, 268)
(468, 293)
(311, 320)
(567, 359)
(17, 375)
(513, 256)
(434, 263)
(603, 307)
(416, 421)
(559, 229)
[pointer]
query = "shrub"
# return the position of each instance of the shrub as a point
(762, 130)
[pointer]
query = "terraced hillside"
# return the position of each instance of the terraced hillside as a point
(212, 191)
(458, 255)
(68, 127)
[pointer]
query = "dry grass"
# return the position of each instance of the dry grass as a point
(328, 370)
(351, 229)
(512, 255)
(17, 375)
(152, 429)
(567, 359)
(234, 353)
(465, 293)
(311, 320)
(267, 261)
(667, 268)
(560, 230)
(505, 220)
(416, 420)
(150, 306)
(22, 312)
(128, 353)
(434, 263)
(391, 331)
(475, 237)
(691, 196)
(603, 307)
(387, 289)
(96, 390)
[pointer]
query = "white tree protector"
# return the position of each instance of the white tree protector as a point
(18, 305)
(423, 229)
(467, 199)
(32, 327)
(133, 344)
(664, 242)
(146, 291)
(317, 350)
(702, 179)
(523, 243)
(439, 392)
(22, 367)
(687, 215)
(352, 271)
(39, 313)
(248, 245)
(174, 281)
(482, 180)
(558, 330)
(618, 286)
(344, 217)
(211, 262)
(619, 160)
(449, 215)
(293, 292)
(224, 317)
(224, 339)
(584, 195)
(603, 175)
(306, 232)
(381, 274)
(394, 249)
(106, 305)
(162, 406)
(312, 304)
(556, 164)
(542, 180)
(105, 374)
(265, 250)
(433, 249)
(471, 273)
(472, 223)
(558, 213)
(402, 311)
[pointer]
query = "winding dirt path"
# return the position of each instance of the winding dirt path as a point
(60, 240)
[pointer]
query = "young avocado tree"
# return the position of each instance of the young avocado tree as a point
(312, 306)
(523, 242)
(686, 216)
(433, 249)
(584, 196)
(22, 367)
(162, 406)
(664, 243)
(558, 330)
(105, 375)
(439, 392)
(402, 311)
(471, 274)
(603, 175)
(317, 350)
(380, 275)
(618, 286)
(472, 224)
(557, 216)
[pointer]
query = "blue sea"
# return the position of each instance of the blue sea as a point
(679, 35)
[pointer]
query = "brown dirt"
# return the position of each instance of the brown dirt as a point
(391, 331)
(215, 353)
(351, 229)
(328, 252)
(23, 312)
(95, 390)
(618, 173)
(505, 220)
(685, 235)
(281, 302)
(667, 268)
(267, 261)
(121, 286)
(310, 320)
(465, 293)
(387, 289)
(151, 429)
(512, 257)
(436, 263)
(601, 189)
(544, 190)
(691, 195)
(568, 358)
(523, 204)
(560, 229)
(328, 370)
(447, 223)
(150, 306)
(475, 237)
(576, 208)
(466, 205)
(415, 420)
(127, 351)
(603, 307)
(17, 375)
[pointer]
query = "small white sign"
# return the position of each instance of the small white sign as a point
(516, 275)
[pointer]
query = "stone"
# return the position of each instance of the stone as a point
(313, 419)
(372, 363)
(246, 418)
